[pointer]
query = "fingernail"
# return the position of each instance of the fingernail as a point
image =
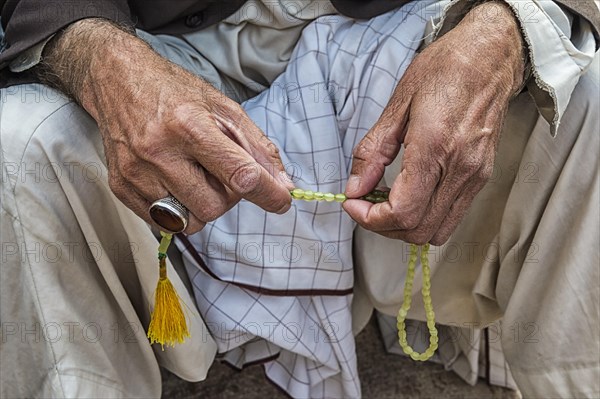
(353, 184)
(286, 180)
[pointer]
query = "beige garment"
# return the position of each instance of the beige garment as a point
(254, 45)
(527, 251)
(68, 279)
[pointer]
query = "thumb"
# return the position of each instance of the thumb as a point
(378, 148)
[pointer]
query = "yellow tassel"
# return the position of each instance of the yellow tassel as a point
(168, 324)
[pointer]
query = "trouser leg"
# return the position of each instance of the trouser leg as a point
(548, 273)
(69, 283)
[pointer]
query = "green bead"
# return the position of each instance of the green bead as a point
(318, 196)
(370, 198)
(402, 313)
(298, 193)
(340, 197)
(415, 355)
(308, 195)
(329, 197)
(430, 324)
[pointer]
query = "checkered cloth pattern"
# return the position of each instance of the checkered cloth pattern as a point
(278, 288)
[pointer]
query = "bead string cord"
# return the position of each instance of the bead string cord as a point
(376, 197)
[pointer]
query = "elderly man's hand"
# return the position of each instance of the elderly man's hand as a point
(165, 131)
(448, 110)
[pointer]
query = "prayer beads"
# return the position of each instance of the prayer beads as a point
(378, 196)
(429, 314)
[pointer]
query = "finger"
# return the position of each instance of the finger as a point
(137, 180)
(202, 194)
(409, 198)
(367, 214)
(249, 136)
(457, 211)
(377, 150)
(139, 176)
(443, 216)
(194, 224)
(127, 194)
(238, 170)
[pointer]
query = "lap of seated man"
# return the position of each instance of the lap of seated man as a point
(279, 288)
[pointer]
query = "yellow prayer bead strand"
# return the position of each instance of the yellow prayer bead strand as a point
(375, 196)
(378, 196)
(429, 314)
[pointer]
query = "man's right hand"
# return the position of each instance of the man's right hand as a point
(165, 130)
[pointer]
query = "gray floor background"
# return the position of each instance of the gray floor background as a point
(382, 375)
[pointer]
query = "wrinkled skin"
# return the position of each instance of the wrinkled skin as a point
(165, 131)
(448, 112)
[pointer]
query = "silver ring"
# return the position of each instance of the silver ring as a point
(170, 214)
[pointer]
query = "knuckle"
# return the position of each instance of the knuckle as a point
(212, 212)
(439, 239)
(419, 237)
(407, 220)
(366, 223)
(269, 146)
(245, 179)
(148, 150)
(116, 185)
(485, 172)
(364, 148)
(442, 148)
(129, 170)
(149, 147)
(470, 166)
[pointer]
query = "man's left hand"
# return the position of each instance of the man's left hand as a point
(448, 111)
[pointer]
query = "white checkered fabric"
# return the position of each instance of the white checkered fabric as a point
(277, 288)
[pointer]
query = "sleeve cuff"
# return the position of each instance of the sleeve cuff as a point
(29, 58)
